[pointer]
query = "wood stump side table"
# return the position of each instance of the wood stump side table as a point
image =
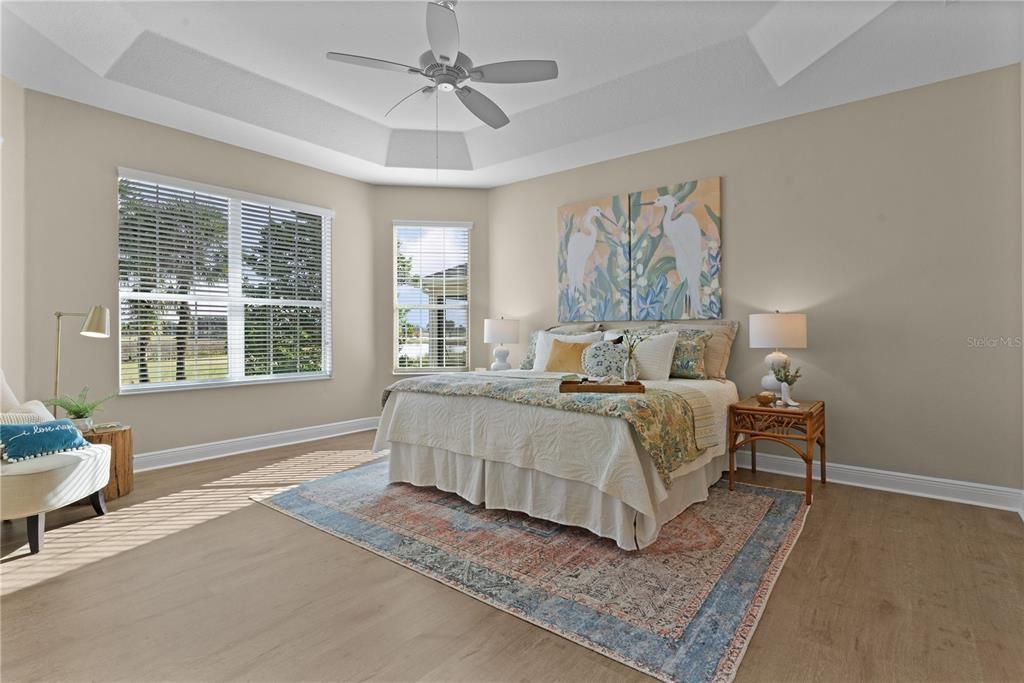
(799, 428)
(122, 459)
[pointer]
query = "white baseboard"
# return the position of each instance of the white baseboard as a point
(985, 495)
(218, 449)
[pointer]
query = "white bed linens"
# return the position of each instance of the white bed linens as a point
(597, 451)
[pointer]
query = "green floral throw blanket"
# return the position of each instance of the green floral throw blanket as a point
(673, 426)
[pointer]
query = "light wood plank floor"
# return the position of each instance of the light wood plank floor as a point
(189, 581)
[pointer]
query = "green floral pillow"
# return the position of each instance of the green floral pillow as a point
(688, 357)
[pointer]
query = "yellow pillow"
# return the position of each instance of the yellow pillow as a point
(566, 356)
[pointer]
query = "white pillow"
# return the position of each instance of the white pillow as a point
(35, 408)
(544, 340)
(654, 356)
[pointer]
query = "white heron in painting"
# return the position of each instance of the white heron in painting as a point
(683, 231)
(581, 246)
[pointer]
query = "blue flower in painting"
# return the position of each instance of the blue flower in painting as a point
(714, 307)
(648, 303)
(714, 256)
(569, 306)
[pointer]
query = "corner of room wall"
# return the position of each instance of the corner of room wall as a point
(12, 236)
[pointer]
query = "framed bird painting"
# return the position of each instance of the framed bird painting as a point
(676, 251)
(593, 260)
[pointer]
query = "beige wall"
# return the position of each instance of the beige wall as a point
(12, 236)
(73, 154)
(895, 223)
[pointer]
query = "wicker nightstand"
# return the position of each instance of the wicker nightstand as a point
(799, 428)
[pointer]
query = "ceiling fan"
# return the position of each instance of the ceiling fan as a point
(449, 69)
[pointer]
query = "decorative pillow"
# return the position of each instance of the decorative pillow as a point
(544, 340)
(719, 347)
(566, 357)
(604, 359)
(33, 408)
(688, 357)
(654, 355)
(25, 441)
(529, 360)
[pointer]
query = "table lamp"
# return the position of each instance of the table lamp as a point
(97, 324)
(777, 331)
(500, 331)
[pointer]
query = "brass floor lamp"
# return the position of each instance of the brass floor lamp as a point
(97, 324)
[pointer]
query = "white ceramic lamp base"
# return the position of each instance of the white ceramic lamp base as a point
(775, 359)
(500, 359)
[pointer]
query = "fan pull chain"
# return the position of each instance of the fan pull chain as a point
(437, 134)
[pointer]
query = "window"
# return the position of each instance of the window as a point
(218, 286)
(431, 290)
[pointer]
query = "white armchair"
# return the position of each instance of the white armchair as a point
(31, 488)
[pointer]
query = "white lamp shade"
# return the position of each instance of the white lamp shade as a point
(501, 331)
(97, 323)
(778, 331)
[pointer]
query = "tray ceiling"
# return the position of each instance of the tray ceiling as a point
(633, 76)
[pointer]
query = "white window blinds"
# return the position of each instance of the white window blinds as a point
(431, 296)
(218, 286)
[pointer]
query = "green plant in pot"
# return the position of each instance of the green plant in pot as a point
(79, 408)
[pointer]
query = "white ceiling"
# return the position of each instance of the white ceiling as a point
(633, 75)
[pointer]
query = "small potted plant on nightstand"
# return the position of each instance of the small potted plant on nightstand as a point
(787, 378)
(80, 409)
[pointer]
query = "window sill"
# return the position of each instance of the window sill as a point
(134, 389)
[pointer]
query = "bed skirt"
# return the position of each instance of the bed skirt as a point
(503, 486)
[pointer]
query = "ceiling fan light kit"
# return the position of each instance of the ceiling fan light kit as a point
(449, 69)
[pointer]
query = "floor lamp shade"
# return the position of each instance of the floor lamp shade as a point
(778, 331)
(97, 322)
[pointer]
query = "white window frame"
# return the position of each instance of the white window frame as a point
(395, 225)
(236, 322)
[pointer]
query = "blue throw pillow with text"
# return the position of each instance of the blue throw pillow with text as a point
(25, 441)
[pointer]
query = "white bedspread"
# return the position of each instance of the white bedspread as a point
(593, 449)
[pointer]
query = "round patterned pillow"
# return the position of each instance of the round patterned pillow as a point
(604, 359)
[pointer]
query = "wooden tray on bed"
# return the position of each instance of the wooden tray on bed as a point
(595, 388)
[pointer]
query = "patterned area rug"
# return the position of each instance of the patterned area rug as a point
(682, 609)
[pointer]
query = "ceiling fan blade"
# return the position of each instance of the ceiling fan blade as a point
(359, 60)
(520, 71)
(482, 107)
(442, 33)
(426, 90)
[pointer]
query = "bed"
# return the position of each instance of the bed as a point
(577, 469)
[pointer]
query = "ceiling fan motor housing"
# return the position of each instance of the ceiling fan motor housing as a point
(446, 76)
